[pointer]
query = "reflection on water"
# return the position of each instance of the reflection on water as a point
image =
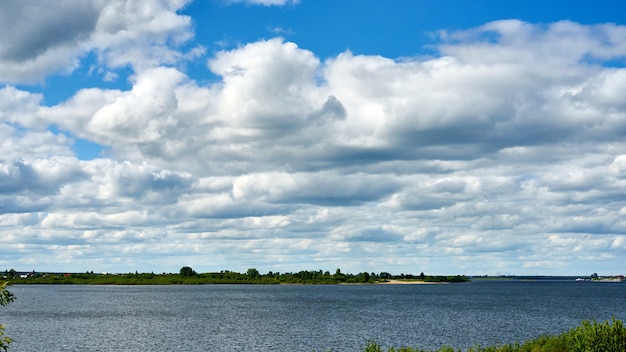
(299, 317)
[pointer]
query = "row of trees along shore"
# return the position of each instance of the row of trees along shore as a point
(187, 275)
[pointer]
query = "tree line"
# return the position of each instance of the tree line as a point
(187, 275)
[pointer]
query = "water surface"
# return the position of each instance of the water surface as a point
(299, 317)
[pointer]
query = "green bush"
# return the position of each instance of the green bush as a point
(597, 337)
(5, 298)
(609, 336)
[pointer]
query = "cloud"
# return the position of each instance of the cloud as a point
(504, 152)
(41, 39)
(478, 94)
(325, 188)
(267, 85)
(141, 114)
(36, 30)
(16, 142)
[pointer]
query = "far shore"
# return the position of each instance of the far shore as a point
(189, 276)
(410, 282)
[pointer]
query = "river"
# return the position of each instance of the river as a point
(299, 317)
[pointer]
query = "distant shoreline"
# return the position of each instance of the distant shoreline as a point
(408, 282)
(188, 276)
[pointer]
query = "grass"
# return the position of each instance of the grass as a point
(609, 336)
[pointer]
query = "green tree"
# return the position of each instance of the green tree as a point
(5, 298)
(366, 276)
(253, 273)
(187, 271)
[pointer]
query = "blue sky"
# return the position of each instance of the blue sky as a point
(446, 137)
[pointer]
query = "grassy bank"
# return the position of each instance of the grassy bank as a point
(609, 336)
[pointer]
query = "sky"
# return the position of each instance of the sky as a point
(478, 137)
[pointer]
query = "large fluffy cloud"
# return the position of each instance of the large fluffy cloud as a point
(44, 38)
(505, 152)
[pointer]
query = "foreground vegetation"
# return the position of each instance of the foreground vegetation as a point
(187, 276)
(5, 298)
(609, 336)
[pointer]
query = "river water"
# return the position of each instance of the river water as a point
(299, 317)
